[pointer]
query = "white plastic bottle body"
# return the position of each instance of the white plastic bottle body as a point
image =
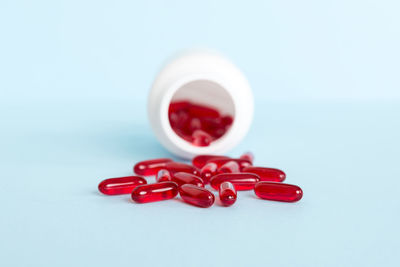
(204, 78)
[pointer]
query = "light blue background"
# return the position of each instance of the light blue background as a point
(74, 77)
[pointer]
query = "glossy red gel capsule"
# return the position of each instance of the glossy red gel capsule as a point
(278, 191)
(200, 111)
(212, 124)
(154, 192)
(180, 121)
(174, 167)
(163, 176)
(216, 127)
(201, 138)
(226, 120)
(150, 167)
(120, 185)
(229, 167)
(178, 106)
(201, 160)
(227, 194)
(241, 181)
(247, 156)
(182, 178)
(197, 196)
(208, 171)
(185, 137)
(242, 162)
(194, 124)
(217, 133)
(267, 174)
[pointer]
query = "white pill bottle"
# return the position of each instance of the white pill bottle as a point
(206, 78)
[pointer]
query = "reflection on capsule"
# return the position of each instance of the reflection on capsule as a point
(120, 185)
(150, 167)
(241, 181)
(227, 194)
(197, 196)
(154, 192)
(278, 191)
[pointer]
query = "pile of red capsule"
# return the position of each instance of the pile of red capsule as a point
(198, 124)
(224, 174)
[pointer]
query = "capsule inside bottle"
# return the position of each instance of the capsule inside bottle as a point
(201, 112)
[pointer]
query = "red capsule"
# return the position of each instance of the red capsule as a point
(217, 133)
(278, 191)
(194, 124)
(150, 167)
(241, 181)
(180, 122)
(201, 111)
(229, 167)
(184, 136)
(217, 127)
(154, 192)
(210, 125)
(201, 138)
(182, 178)
(163, 176)
(226, 120)
(208, 171)
(178, 106)
(197, 123)
(267, 174)
(120, 185)
(242, 162)
(247, 156)
(174, 167)
(197, 196)
(227, 194)
(201, 160)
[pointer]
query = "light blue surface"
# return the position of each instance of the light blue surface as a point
(73, 85)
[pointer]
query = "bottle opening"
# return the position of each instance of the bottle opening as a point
(201, 112)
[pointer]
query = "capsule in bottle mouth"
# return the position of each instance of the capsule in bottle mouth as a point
(201, 112)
